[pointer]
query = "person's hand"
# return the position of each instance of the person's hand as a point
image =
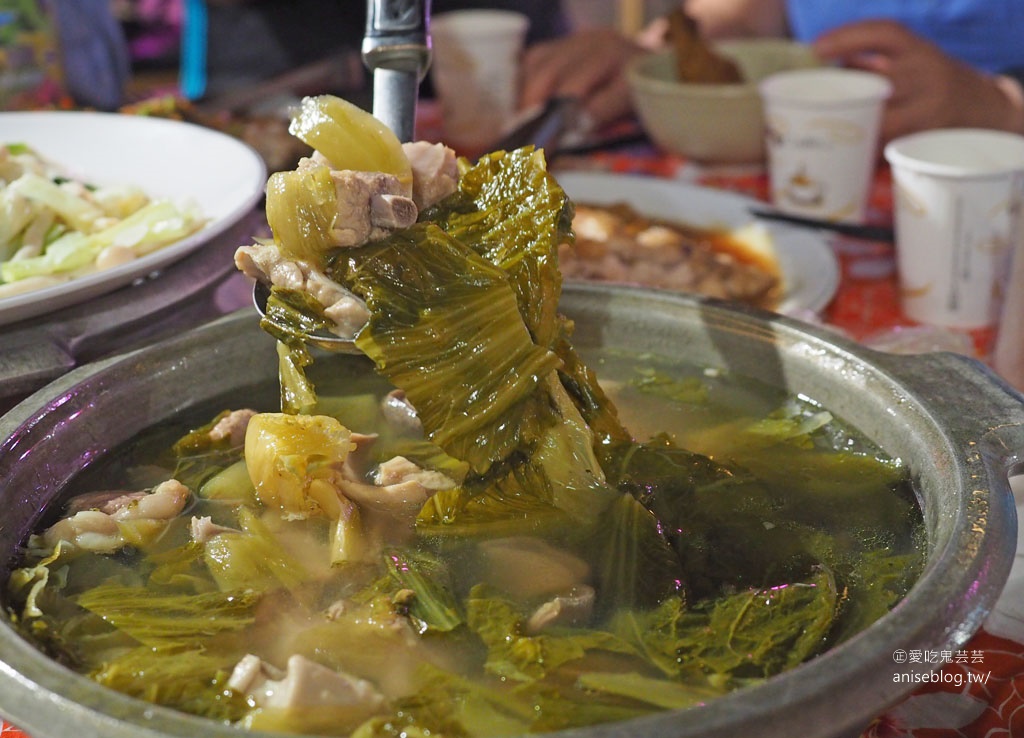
(589, 65)
(930, 88)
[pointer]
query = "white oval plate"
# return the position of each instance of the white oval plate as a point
(222, 176)
(810, 271)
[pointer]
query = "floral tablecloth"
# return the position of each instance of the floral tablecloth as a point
(978, 691)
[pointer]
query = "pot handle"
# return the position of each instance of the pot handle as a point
(967, 397)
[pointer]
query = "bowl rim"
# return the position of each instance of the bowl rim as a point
(637, 67)
(635, 73)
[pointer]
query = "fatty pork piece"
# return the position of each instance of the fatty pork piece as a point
(100, 528)
(530, 569)
(265, 263)
(527, 567)
(388, 507)
(572, 609)
(232, 427)
(369, 204)
(435, 172)
(400, 413)
(309, 687)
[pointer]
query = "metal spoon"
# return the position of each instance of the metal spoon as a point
(396, 49)
(325, 341)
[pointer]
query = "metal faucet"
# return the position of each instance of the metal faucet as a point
(396, 49)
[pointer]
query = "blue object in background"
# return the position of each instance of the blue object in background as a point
(193, 50)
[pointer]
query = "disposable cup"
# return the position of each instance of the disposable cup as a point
(475, 72)
(958, 202)
(821, 135)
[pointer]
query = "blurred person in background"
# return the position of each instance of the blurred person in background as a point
(249, 41)
(61, 53)
(952, 63)
(94, 52)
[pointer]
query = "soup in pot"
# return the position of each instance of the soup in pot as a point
(475, 529)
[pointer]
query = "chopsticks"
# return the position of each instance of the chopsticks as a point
(857, 230)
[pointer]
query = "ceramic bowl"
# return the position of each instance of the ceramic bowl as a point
(713, 123)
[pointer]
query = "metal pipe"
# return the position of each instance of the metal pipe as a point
(396, 49)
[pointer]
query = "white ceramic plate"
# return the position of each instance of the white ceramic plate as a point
(810, 271)
(224, 177)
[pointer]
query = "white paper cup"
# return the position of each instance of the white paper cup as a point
(475, 72)
(958, 199)
(821, 130)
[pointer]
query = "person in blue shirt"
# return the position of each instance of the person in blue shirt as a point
(951, 62)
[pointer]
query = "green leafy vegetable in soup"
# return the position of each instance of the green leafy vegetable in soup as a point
(478, 538)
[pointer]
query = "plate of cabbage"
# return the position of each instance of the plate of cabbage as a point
(90, 202)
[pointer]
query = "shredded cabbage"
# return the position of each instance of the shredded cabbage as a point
(56, 227)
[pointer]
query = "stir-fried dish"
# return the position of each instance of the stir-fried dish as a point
(55, 226)
(473, 539)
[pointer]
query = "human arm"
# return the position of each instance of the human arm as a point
(930, 88)
(738, 18)
(589, 65)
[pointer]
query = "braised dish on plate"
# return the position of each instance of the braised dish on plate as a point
(618, 243)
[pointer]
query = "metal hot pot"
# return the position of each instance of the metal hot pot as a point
(959, 429)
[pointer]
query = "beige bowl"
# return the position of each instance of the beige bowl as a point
(720, 123)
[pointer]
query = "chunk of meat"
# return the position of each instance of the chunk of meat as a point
(360, 458)
(204, 529)
(435, 172)
(530, 567)
(107, 501)
(388, 508)
(232, 427)
(89, 530)
(305, 684)
(399, 412)
(571, 609)
(97, 530)
(264, 262)
(166, 501)
(400, 470)
(369, 205)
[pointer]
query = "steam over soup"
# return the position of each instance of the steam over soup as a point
(465, 532)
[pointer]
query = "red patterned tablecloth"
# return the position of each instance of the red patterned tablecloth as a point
(979, 690)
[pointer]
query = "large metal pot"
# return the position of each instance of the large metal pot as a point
(958, 428)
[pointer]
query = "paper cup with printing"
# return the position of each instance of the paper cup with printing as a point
(821, 129)
(958, 204)
(475, 72)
